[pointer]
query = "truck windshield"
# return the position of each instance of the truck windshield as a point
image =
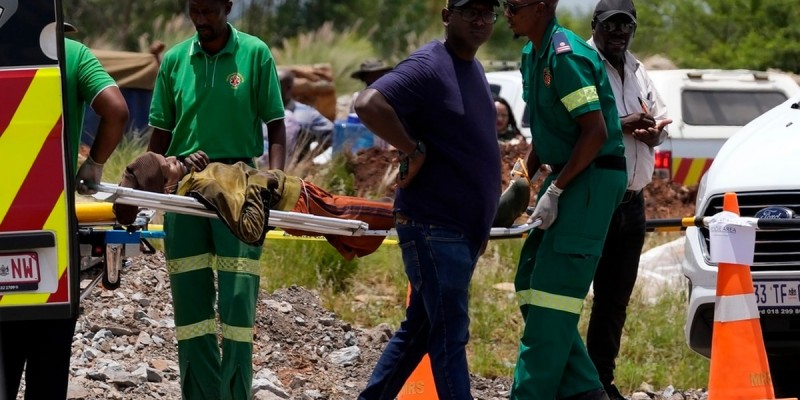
(726, 107)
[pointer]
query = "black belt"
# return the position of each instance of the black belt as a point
(616, 163)
(630, 195)
(230, 161)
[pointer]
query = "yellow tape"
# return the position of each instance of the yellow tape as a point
(281, 235)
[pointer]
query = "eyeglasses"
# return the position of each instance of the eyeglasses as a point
(624, 27)
(511, 9)
(471, 14)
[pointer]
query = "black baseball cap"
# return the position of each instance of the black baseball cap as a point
(606, 9)
(462, 3)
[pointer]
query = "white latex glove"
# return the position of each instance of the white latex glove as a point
(547, 207)
(89, 174)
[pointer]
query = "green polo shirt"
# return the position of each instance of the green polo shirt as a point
(217, 103)
(85, 79)
(561, 82)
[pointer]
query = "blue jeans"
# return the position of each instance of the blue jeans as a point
(439, 263)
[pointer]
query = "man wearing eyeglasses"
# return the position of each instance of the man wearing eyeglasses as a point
(643, 118)
(436, 108)
(575, 129)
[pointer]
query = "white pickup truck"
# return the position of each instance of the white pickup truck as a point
(760, 163)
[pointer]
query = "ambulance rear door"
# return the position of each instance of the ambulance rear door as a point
(38, 230)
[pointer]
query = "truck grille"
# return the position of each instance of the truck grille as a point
(776, 250)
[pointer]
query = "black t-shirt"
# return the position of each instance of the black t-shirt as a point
(446, 103)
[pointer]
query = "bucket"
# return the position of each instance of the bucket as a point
(352, 135)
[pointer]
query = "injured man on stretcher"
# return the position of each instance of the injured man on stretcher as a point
(242, 196)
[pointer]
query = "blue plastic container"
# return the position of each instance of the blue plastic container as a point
(351, 134)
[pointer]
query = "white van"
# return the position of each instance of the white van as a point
(707, 107)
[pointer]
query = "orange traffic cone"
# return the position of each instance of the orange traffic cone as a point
(420, 384)
(739, 368)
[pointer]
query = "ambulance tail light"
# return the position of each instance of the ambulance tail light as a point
(663, 167)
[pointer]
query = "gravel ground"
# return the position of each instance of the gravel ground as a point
(125, 348)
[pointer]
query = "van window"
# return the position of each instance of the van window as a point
(727, 108)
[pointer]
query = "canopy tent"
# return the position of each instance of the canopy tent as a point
(130, 70)
(135, 74)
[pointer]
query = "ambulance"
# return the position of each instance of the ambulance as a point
(41, 239)
(38, 240)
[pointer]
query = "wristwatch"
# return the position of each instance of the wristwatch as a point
(418, 150)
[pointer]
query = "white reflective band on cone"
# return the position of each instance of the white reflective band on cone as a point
(735, 308)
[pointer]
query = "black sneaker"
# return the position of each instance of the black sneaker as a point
(613, 393)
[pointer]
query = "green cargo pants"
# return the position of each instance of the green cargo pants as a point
(555, 270)
(194, 247)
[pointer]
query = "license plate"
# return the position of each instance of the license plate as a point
(19, 271)
(781, 293)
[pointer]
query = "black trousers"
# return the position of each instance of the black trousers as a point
(613, 284)
(46, 346)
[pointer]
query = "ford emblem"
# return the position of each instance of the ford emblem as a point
(775, 213)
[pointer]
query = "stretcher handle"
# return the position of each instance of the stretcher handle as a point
(680, 224)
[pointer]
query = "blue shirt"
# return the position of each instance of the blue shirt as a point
(446, 103)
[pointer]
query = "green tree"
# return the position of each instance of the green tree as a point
(386, 23)
(751, 34)
(119, 24)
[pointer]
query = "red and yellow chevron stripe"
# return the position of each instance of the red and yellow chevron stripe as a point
(33, 195)
(688, 171)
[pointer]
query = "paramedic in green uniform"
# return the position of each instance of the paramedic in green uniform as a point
(576, 130)
(212, 93)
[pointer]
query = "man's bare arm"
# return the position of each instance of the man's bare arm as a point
(276, 135)
(113, 111)
(379, 116)
(159, 141)
(593, 136)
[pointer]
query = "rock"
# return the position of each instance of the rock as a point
(161, 365)
(346, 356)
(76, 391)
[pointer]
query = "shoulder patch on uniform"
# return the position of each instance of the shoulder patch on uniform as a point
(561, 43)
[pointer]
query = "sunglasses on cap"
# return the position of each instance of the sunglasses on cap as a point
(511, 9)
(613, 26)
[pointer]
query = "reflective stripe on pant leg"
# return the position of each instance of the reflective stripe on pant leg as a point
(527, 259)
(193, 296)
(238, 273)
(559, 283)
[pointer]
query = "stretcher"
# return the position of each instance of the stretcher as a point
(105, 245)
(280, 219)
(109, 247)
